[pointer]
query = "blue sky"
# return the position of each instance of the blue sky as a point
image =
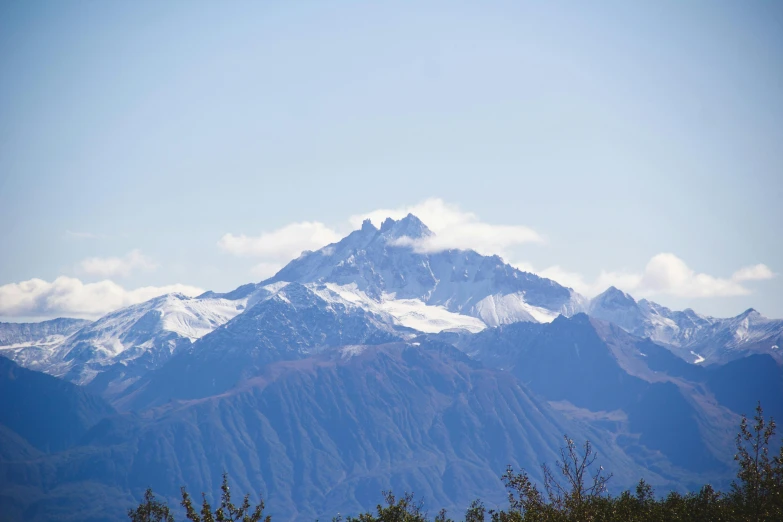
(152, 144)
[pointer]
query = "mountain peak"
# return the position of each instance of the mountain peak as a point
(409, 226)
(750, 312)
(614, 295)
(367, 226)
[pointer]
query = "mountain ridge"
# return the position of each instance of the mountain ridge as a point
(694, 337)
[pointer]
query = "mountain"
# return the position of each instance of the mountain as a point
(378, 270)
(44, 332)
(386, 266)
(115, 350)
(321, 435)
(694, 337)
(28, 343)
(290, 321)
(373, 363)
(650, 399)
(48, 413)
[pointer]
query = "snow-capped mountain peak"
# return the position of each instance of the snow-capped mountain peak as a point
(382, 263)
(410, 226)
(145, 333)
(614, 297)
(694, 337)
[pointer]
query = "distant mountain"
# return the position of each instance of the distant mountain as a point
(45, 331)
(47, 412)
(321, 435)
(121, 346)
(31, 343)
(694, 337)
(374, 269)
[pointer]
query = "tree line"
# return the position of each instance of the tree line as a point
(573, 490)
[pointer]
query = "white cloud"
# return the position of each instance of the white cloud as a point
(664, 274)
(758, 272)
(116, 266)
(68, 296)
(668, 274)
(434, 212)
(283, 244)
(454, 228)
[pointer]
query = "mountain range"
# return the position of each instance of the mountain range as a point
(375, 362)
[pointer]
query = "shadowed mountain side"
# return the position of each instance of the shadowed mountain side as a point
(327, 434)
(14, 447)
(49, 413)
(741, 383)
(601, 368)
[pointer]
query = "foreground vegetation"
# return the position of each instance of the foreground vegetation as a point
(572, 491)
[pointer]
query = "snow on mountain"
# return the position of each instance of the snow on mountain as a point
(45, 331)
(290, 322)
(380, 271)
(388, 274)
(147, 333)
(693, 337)
(384, 266)
(411, 313)
(31, 343)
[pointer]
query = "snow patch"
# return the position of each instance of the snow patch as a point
(699, 358)
(498, 309)
(352, 350)
(411, 313)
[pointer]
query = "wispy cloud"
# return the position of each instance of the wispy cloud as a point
(664, 274)
(454, 228)
(282, 244)
(70, 297)
(758, 272)
(117, 266)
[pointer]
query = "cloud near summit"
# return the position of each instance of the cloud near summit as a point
(664, 273)
(452, 227)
